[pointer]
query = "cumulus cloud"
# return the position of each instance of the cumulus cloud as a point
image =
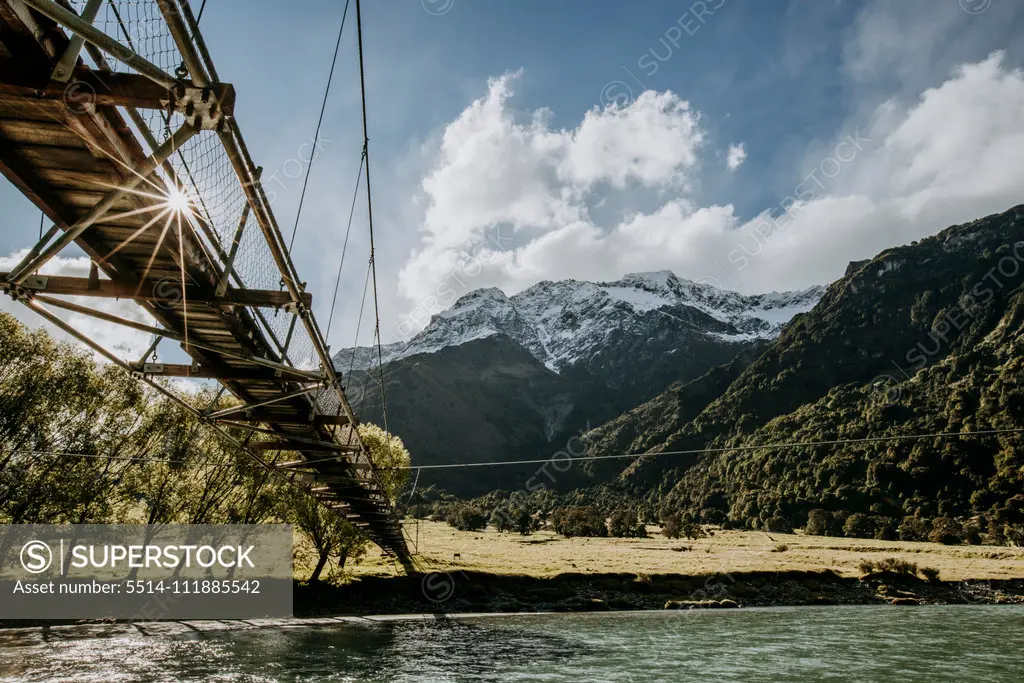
(736, 156)
(948, 155)
(501, 172)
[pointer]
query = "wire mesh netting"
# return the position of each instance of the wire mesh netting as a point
(202, 169)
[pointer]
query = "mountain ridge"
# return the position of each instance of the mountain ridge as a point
(555, 320)
(505, 378)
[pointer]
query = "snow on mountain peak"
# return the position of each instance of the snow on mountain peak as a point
(474, 300)
(567, 322)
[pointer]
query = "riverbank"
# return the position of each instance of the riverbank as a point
(487, 571)
(484, 571)
(467, 591)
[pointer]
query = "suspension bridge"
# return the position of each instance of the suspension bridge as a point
(114, 122)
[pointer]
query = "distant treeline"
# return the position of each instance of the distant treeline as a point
(602, 511)
(82, 442)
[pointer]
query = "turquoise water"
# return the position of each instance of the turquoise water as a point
(934, 644)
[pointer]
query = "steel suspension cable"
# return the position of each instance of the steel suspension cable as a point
(319, 122)
(727, 449)
(696, 451)
(344, 246)
(369, 218)
(359, 322)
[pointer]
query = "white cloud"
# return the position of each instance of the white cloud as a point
(124, 342)
(736, 156)
(950, 155)
(518, 175)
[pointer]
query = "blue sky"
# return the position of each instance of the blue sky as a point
(532, 118)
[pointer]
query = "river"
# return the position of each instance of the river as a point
(884, 643)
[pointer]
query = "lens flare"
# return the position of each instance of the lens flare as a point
(177, 200)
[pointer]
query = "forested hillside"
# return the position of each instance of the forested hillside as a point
(923, 338)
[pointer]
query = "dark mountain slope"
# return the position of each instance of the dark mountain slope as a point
(482, 401)
(514, 378)
(925, 337)
(651, 423)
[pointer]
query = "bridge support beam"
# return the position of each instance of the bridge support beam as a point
(157, 291)
(279, 369)
(180, 137)
(66, 65)
(90, 33)
(115, 89)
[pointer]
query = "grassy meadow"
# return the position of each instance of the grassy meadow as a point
(545, 554)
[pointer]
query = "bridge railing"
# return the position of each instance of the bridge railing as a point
(213, 167)
(203, 170)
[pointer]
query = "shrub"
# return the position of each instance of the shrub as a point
(778, 524)
(524, 522)
(694, 531)
(624, 523)
(972, 533)
(996, 534)
(892, 565)
(885, 528)
(930, 573)
(501, 519)
(579, 521)
(780, 548)
(467, 518)
(859, 525)
(672, 526)
(913, 529)
(712, 516)
(823, 523)
(1014, 534)
(946, 531)
(519, 519)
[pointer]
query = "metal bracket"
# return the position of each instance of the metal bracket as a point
(202, 107)
(26, 290)
(297, 308)
(36, 282)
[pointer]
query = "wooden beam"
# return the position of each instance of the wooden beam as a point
(338, 479)
(308, 464)
(290, 418)
(305, 445)
(158, 291)
(228, 373)
(112, 89)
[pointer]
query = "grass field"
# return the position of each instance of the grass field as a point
(545, 554)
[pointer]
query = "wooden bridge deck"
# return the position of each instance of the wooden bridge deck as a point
(69, 145)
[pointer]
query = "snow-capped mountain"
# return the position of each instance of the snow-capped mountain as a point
(509, 377)
(568, 323)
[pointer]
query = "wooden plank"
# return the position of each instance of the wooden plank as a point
(46, 133)
(115, 234)
(290, 418)
(94, 181)
(199, 371)
(157, 291)
(109, 89)
(84, 199)
(73, 158)
(30, 109)
(302, 446)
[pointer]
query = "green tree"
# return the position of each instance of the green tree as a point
(389, 455)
